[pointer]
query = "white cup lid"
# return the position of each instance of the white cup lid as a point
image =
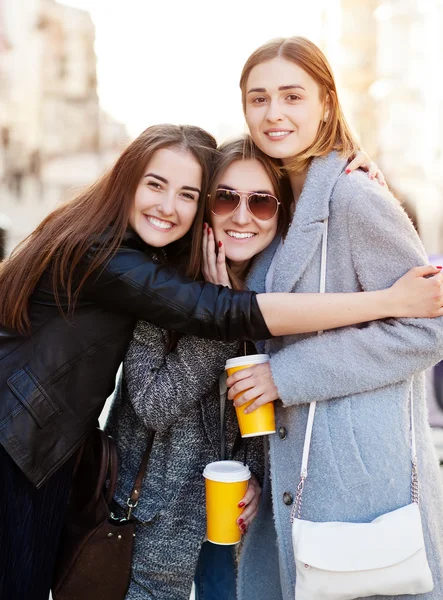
(251, 359)
(227, 471)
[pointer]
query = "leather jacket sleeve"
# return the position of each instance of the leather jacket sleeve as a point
(134, 284)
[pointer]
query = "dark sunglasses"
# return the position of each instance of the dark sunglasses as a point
(261, 206)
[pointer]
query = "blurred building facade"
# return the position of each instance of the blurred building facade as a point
(55, 138)
(391, 55)
(53, 135)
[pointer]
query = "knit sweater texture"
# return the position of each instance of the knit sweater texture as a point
(175, 393)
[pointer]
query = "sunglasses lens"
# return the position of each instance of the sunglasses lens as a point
(263, 206)
(225, 202)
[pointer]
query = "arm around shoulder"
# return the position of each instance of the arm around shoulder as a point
(134, 284)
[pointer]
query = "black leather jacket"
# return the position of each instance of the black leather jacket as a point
(54, 382)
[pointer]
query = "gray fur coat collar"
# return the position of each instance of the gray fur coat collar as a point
(305, 232)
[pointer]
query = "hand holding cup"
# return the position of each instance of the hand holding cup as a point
(250, 502)
(255, 415)
(254, 383)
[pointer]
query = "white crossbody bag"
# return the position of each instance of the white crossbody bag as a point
(344, 561)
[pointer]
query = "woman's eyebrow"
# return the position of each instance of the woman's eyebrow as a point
(291, 87)
(222, 186)
(156, 177)
(164, 180)
(192, 189)
(281, 88)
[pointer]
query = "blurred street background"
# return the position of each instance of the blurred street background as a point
(80, 78)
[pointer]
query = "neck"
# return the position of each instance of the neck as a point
(297, 181)
(240, 268)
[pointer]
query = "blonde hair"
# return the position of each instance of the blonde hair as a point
(334, 133)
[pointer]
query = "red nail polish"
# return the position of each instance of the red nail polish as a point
(240, 521)
(220, 244)
(437, 267)
(204, 226)
(209, 230)
(241, 505)
(348, 171)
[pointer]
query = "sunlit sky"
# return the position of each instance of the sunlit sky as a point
(180, 61)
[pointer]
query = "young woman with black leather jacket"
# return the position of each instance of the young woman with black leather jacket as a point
(70, 295)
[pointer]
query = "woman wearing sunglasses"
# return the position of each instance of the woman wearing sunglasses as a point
(362, 378)
(170, 386)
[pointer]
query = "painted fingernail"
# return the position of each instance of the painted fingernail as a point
(240, 521)
(241, 505)
(348, 171)
(437, 267)
(382, 182)
(209, 230)
(220, 244)
(204, 225)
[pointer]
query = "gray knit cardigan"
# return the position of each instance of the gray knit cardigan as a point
(175, 393)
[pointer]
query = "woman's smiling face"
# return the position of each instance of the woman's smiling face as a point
(283, 108)
(242, 234)
(167, 197)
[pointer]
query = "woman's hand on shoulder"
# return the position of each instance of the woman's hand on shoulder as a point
(363, 161)
(419, 293)
(253, 382)
(214, 263)
(250, 501)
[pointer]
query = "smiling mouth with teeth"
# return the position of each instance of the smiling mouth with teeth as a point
(240, 236)
(277, 134)
(159, 223)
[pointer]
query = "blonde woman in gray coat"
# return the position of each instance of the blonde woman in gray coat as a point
(360, 376)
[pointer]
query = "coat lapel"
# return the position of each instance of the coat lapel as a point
(305, 232)
(257, 273)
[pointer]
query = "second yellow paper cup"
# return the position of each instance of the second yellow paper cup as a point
(262, 420)
(226, 484)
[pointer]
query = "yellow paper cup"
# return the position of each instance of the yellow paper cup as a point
(262, 420)
(226, 484)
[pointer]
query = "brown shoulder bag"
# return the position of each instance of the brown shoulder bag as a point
(95, 554)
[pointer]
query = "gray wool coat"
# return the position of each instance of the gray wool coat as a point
(359, 466)
(175, 393)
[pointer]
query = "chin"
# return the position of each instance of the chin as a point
(271, 149)
(156, 241)
(240, 257)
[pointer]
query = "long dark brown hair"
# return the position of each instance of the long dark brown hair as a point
(101, 212)
(243, 148)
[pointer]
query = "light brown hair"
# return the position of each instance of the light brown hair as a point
(100, 213)
(243, 148)
(334, 133)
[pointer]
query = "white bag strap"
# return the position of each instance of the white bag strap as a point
(296, 508)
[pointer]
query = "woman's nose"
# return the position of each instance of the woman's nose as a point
(274, 113)
(242, 216)
(167, 205)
